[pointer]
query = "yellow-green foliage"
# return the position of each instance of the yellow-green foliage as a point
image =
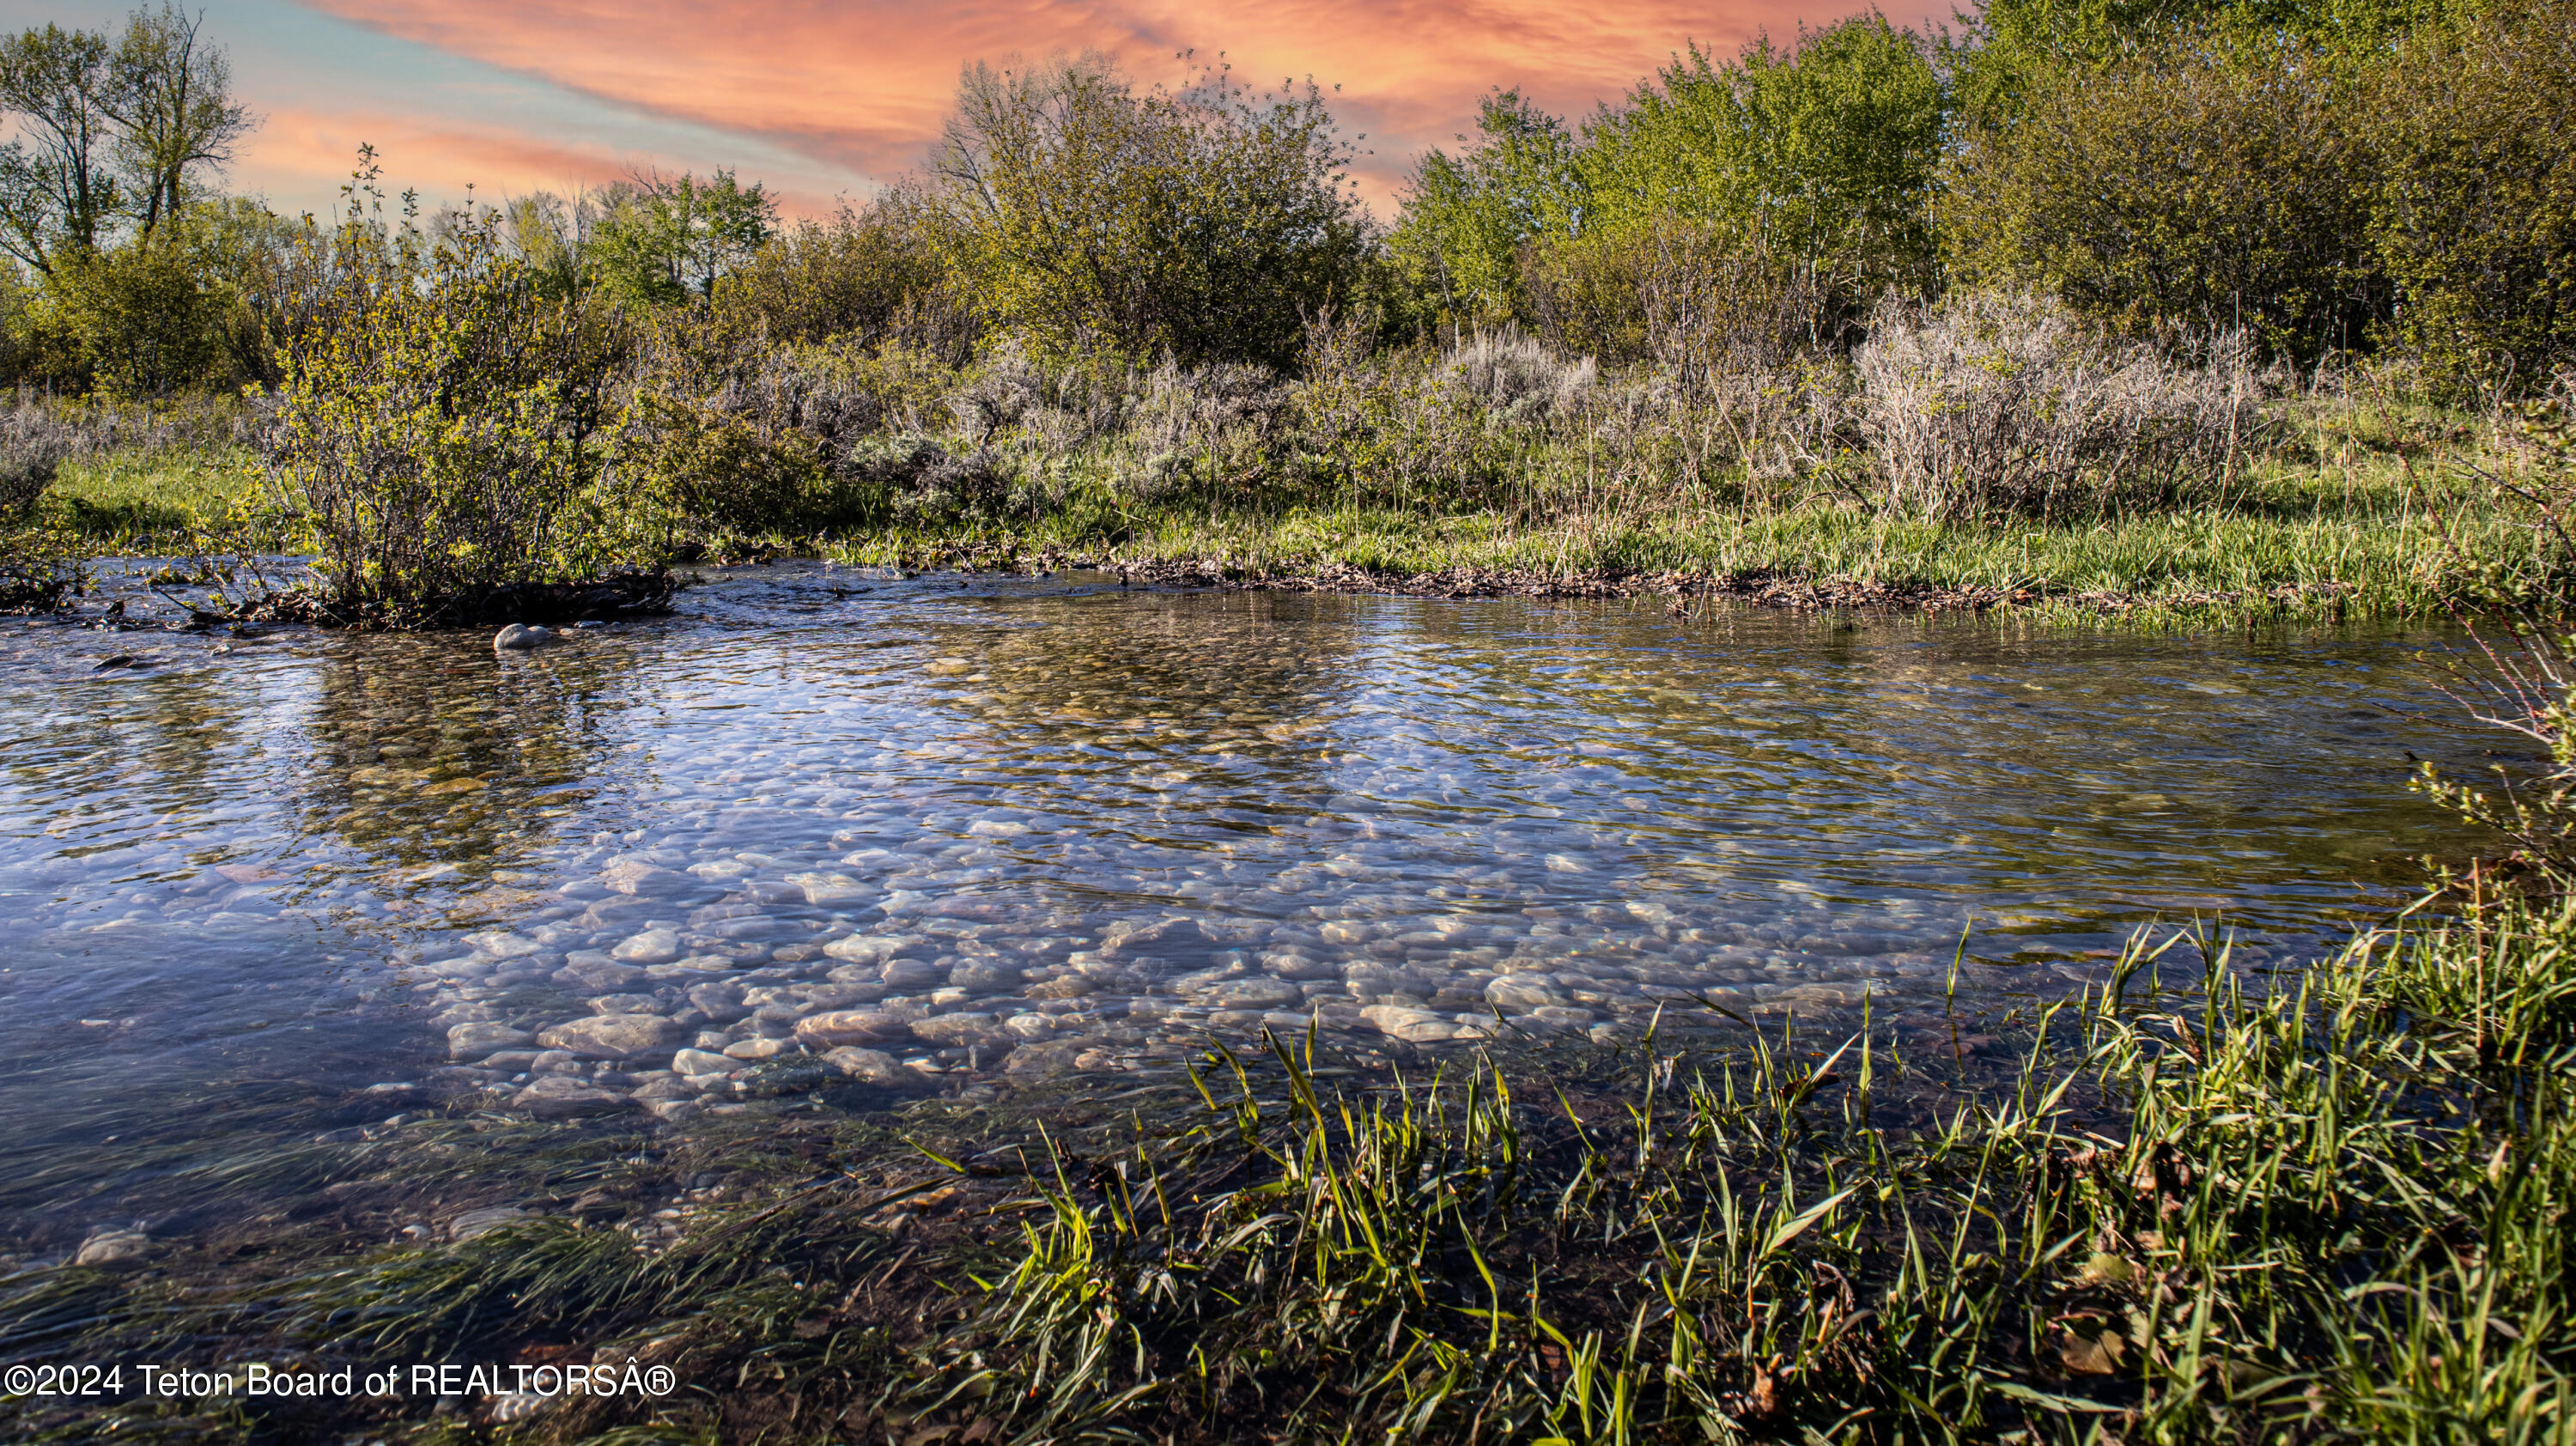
(1203, 224)
(2214, 180)
(2476, 196)
(437, 431)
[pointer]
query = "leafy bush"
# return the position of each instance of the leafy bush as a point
(1202, 223)
(2216, 181)
(436, 427)
(1995, 402)
(2475, 206)
(868, 276)
(1819, 153)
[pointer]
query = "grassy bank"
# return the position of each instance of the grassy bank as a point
(2340, 516)
(2168, 1209)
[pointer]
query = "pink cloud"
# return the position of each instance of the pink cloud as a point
(865, 85)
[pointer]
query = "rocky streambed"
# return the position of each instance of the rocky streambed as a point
(820, 830)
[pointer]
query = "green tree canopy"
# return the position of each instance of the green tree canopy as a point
(1203, 224)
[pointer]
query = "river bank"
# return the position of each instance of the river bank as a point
(2377, 553)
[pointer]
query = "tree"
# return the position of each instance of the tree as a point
(1467, 218)
(2474, 210)
(171, 98)
(1820, 154)
(57, 185)
(2218, 178)
(661, 240)
(112, 133)
(1203, 224)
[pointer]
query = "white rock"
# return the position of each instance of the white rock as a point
(749, 1049)
(1520, 993)
(114, 1250)
(699, 1061)
(646, 879)
(869, 948)
(502, 944)
(852, 1026)
(1414, 1026)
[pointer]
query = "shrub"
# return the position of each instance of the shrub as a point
(2210, 180)
(1997, 402)
(2475, 209)
(436, 427)
(1682, 295)
(868, 276)
(143, 319)
(1820, 154)
(34, 444)
(1203, 224)
(922, 483)
(1515, 379)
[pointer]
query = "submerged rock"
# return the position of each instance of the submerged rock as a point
(475, 1040)
(518, 639)
(115, 1250)
(872, 1065)
(853, 1026)
(613, 1036)
(563, 1096)
(485, 1221)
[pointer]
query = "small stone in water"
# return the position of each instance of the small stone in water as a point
(518, 639)
(483, 1222)
(873, 1065)
(757, 1048)
(613, 1036)
(473, 1041)
(563, 1096)
(852, 1026)
(114, 1250)
(701, 1061)
(653, 946)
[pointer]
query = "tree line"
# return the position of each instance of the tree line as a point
(2333, 176)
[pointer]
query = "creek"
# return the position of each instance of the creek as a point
(948, 831)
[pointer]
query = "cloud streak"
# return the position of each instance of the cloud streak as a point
(863, 86)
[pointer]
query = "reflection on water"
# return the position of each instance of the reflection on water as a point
(922, 833)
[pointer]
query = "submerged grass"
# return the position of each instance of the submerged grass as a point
(2337, 1210)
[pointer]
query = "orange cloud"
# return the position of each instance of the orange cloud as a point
(864, 84)
(439, 156)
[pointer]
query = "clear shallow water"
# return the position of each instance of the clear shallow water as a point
(970, 828)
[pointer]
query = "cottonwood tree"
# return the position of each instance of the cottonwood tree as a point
(662, 240)
(113, 133)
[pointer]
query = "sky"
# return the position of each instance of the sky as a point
(825, 100)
